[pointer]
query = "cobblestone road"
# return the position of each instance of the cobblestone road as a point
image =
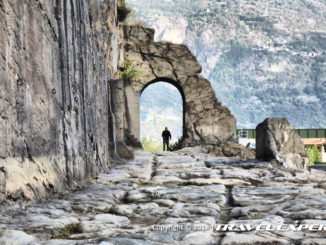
(178, 198)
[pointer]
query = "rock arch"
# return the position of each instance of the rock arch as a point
(205, 119)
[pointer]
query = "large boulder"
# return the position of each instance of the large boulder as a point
(277, 142)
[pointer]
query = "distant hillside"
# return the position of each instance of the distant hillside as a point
(264, 58)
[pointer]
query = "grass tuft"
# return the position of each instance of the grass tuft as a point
(66, 231)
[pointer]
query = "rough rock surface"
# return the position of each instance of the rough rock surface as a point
(123, 151)
(229, 149)
(176, 198)
(56, 58)
(277, 141)
(205, 119)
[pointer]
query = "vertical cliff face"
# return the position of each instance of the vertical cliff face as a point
(56, 58)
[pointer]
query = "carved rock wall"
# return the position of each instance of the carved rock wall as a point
(205, 119)
(56, 58)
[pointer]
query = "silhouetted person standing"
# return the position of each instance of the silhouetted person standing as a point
(166, 135)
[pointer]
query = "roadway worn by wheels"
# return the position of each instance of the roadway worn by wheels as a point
(176, 198)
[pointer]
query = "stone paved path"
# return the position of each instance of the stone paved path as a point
(176, 198)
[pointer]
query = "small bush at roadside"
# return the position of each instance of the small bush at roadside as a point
(123, 11)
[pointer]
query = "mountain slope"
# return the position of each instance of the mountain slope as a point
(264, 58)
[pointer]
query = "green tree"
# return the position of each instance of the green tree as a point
(317, 154)
(311, 155)
(177, 145)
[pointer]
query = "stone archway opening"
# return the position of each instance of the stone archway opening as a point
(205, 119)
(162, 104)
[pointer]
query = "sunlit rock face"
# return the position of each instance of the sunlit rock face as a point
(264, 58)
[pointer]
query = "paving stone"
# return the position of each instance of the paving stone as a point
(126, 210)
(315, 241)
(200, 238)
(9, 237)
(232, 238)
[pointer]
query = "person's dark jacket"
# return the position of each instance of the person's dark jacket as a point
(166, 135)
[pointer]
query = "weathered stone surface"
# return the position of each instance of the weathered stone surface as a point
(233, 238)
(233, 149)
(123, 151)
(316, 241)
(230, 149)
(200, 238)
(205, 119)
(261, 195)
(125, 210)
(14, 237)
(56, 58)
(120, 207)
(54, 222)
(277, 141)
(30, 179)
